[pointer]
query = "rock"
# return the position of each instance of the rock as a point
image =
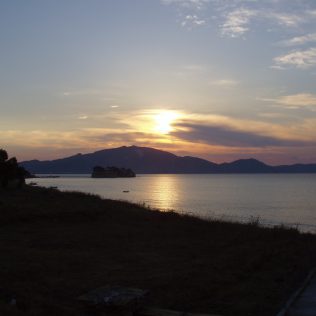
(112, 172)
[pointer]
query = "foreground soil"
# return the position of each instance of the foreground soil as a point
(56, 246)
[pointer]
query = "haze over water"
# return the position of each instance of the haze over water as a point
(273, 198)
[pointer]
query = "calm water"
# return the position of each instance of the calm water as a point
(274, 198)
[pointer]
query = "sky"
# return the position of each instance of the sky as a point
(217, 79)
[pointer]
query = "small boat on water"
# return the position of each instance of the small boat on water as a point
(125, 191)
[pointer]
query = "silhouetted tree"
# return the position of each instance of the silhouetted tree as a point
(10, 170)
(3, 155)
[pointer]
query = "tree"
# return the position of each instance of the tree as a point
(10, 171)
(3, 155)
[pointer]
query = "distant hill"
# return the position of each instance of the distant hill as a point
(150, 160)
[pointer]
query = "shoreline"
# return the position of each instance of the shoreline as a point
(59, 245)
(209, 206)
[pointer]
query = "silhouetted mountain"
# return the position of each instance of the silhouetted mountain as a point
(297, 168)
(245, 166)
(150, 160)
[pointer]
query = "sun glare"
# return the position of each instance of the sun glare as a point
(163, 121)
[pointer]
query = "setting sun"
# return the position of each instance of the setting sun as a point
(164, 122)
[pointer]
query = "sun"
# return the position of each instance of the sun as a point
(163, 122)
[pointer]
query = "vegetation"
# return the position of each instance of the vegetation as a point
(10, 172)
(56, 246)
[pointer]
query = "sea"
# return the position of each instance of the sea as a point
(270, 199)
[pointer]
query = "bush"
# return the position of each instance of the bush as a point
(10, 172)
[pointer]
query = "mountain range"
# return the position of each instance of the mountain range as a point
(150, 160)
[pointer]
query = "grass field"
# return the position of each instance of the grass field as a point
(56, 246)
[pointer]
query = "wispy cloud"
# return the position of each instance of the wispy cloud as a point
(87, 138)
(300, 40)
(274, 115)
(312, 13)
(235, 18)
(224, 83)
(237, 22)
(195, 4)
(83, 92)
(302, 59)
(285, 19)
(191, 21)
(302, 132)
(191, 132)
(228, 136)
(190, 12)
(189, 71)
(295, 101)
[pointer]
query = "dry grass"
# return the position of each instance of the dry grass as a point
(55, 246)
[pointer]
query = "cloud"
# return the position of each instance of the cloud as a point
(302, 59)
(235, 17)
(300, 40)
(228, 136)
(190, 71)
(192, 21)
(192, 132)
(87, 138)
(285, 19)
(83, 92)
(312, 13)
(193, 4)
(188, 10)
(273, 115)
(238, 18)
(237, 21)
(277, 132)
(295, 101)
(224, 83)
(117, 137)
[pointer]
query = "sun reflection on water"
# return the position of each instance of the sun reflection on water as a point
(165, 191)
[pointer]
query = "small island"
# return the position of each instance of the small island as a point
(112, 172)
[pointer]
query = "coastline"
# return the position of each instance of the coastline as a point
(273, 199)
(58, 245)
